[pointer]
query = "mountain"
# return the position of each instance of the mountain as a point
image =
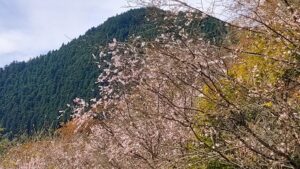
(33, 92)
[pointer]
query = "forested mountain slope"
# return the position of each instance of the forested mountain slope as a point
(33, 92)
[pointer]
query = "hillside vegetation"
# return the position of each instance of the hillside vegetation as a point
(182, 100)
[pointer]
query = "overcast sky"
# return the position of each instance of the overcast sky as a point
(29, 28)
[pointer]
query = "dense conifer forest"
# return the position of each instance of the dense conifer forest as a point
(33, 92)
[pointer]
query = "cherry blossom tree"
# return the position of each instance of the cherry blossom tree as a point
(237, 103)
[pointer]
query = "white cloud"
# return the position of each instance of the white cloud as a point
(8, 41)
(31, 27)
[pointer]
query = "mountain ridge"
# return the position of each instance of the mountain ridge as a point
(33, 92)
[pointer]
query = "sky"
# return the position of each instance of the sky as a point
(29, 28)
